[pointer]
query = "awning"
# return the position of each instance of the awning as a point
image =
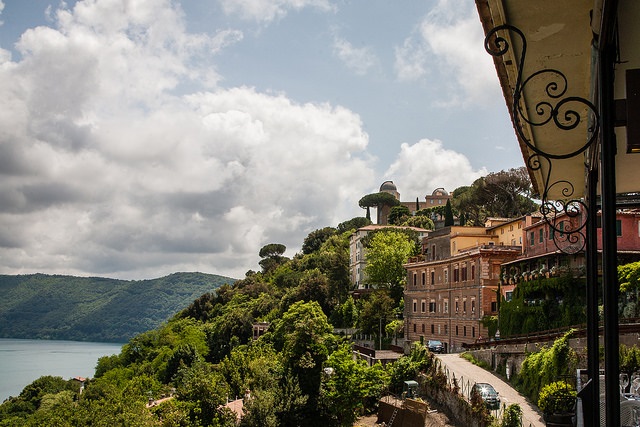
(554, 114)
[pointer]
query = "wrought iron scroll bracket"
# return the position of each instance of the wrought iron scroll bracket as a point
(567, 217)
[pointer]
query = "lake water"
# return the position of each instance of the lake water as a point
(23, 361)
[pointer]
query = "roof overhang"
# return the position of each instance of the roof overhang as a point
(549, 81)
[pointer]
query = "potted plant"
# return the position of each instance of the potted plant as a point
(557, 401)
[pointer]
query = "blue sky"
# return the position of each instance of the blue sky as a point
(143, 137)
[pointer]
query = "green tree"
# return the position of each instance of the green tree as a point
(303, 336)
(316, 238)
(377, 200)
(420, 221)
(398, 215)
(448, 214)
(629, 276)
(377, 310)
(387, 252)
(348, 385)
(353, 224)
(272, 256)
(505, 194)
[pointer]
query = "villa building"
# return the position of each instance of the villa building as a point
(454, 285)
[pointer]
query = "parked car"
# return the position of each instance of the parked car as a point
(435, 346)
(489, 395)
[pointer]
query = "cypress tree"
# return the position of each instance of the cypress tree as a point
(448, 214)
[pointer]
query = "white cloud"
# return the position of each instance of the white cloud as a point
(108, 170)
(359, 60)
(426, 165)
(449, 41)
(270, 10)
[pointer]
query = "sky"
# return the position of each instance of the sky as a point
(144, 137)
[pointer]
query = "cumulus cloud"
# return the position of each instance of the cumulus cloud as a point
(270, 10)
(449, 42)
(108, 169)
(359, 60)
(426, 165)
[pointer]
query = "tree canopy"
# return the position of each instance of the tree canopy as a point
(387, 251)
(378, 199)
(505, 194)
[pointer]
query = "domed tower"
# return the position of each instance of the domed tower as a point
(390, 187)
(384, 211)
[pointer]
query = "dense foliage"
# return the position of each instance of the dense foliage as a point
(546, 366)
(541, 304)
(298, 373)
(40, 306)
(504, 194)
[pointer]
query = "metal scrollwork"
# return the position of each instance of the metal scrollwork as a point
(566, 217)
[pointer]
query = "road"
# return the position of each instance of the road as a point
(474, 374)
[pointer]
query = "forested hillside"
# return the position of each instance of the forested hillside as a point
(298, 373)
(40, 306)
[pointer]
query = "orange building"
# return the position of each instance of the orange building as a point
(454, 285)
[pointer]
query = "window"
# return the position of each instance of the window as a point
(456, 275)
(473, 331)
(415, 279)
(423, 328)
(473, 305)
(541, 238)
(464, 305)
(456, 330)
(432, 306)
(464, 272)
(423, 305)
(494, 306)
(464, 331)
(446, 329)
(424, 278)
(414, 327)
(415, 305)
(446, 276)
(433, 278)
(446, 305)
(457, 305)
(532, 238)
(511, 227)
(473, 272)
(432, 329)
(508, 296)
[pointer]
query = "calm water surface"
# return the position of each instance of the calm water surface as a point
(23, 361)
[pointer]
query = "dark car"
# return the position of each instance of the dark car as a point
(435, 346)
(489, 395)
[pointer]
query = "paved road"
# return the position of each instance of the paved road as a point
(473, 374)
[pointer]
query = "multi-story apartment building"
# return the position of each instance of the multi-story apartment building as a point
(454, 285)
(358, 252)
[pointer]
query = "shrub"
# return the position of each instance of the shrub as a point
(512, 416)
(557, 398)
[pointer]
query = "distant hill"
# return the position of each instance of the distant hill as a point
(40, 306)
